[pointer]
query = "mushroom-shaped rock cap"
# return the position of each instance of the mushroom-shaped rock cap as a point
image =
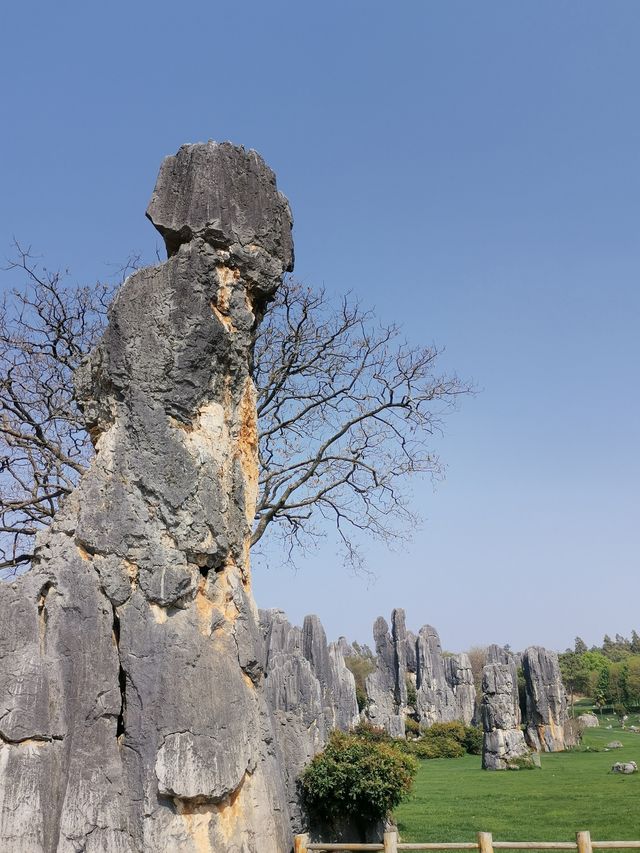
(227, 196)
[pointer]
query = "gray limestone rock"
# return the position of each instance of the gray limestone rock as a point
(343, 688)
(383, 684)
(132, 712)
(399, 634)
(627, 768)
(503, 746)
(411, 652)
(459, 677)
(345, 647)
(588, 721)
(309, 691)
(436, 701)
(546, 700)
(498, 654)
(227, 196)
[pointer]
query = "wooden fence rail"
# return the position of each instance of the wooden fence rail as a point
(484, 844)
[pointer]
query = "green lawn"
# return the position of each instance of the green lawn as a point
(454, 798)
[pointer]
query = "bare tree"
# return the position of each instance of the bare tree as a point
(478, 658)
(346, 411)
(46, 329)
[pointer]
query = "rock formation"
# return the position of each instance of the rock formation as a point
(459, 677)
(546, 701)
(386, 686)
(445, 689)
(309, 691)
(503, 746)
(132, 712)
(498, 654)
(410, 645)
(588, 721)
(444, 685)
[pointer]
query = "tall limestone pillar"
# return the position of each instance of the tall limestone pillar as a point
(132, 715)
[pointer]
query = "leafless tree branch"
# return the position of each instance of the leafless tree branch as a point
(347, 410)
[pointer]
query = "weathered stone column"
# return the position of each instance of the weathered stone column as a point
(546, 700)
(503, 746)
(132, 715)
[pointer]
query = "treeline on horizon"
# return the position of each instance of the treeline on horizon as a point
(609, 674)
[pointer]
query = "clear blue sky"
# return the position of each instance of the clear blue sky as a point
(471, 169)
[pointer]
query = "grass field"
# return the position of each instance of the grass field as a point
(454, 798)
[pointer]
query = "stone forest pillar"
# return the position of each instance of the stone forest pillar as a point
(132, 715)
(503, 746)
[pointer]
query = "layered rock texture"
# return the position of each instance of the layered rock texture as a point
(309, 691)
(386, 686)
(444, 684)
(445, 689)
(546, 701)
(503, 746)
(498, 654)
(132, 710)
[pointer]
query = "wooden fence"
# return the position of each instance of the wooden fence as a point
(484, 844)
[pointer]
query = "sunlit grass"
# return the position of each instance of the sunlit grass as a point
(454, 798)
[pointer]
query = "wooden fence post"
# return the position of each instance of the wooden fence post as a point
(485, 842)
(391, 842)
(583, 840)
(300, 843)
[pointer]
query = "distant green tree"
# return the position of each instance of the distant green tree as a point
(616, 684)
(602, 687)
(579, 646)
(631, 681)
(635, 643)
(575, 674)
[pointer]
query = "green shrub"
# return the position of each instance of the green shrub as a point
(356, 777)
(412, 727)
(522, 763)
(374, 734)
(412, 696)
(454, 730)
(442, 747)
(472, 741)
(447, 740)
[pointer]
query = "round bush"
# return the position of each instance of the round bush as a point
(356, 777)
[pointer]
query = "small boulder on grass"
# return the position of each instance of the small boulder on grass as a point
(615, 744)
(627, 767)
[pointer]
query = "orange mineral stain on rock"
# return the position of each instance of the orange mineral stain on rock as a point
(227, 278)
(248, 447)
(197, 820)
(205, 608)
(230, 811)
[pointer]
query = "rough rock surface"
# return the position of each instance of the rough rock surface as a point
(627, 768)
(546, 700)
(445, 689)
(132, 713)
(588, 721)
(503, 745)
(309, 691)
(498, 654)
(386, 685)
(412, 639)
(459, 676)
